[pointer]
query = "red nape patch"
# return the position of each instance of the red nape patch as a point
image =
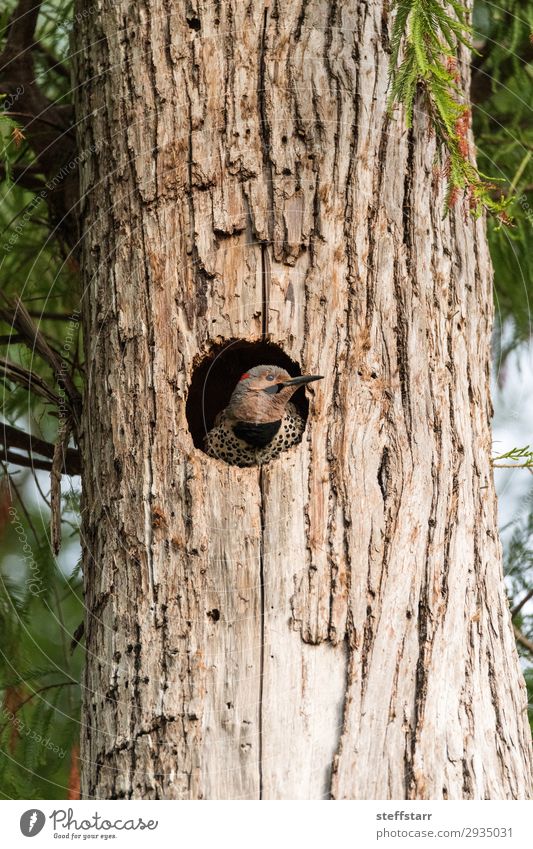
(244, 376)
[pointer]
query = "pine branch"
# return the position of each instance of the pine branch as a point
(425, 40)
(521, 458)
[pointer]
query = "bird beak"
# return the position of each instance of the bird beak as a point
(304, 378)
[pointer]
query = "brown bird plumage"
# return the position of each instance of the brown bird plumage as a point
(259, 421)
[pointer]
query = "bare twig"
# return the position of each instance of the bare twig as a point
(24, 177)
(518, 607)
(77, 637)
(18, 316)
(50, 316)
(28, 379)
(37, 692)
(527, 465)
(21, 27)
(523, 640)
(12, 437)
(26, 462)
(12, 339)
(53, 62)
(55, 125)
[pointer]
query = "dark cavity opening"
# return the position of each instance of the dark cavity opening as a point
(215, 376)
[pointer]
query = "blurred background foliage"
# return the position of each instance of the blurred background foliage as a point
(502, 95)
(41, 606)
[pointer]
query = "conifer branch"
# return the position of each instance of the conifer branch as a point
(425, 38)
(521, 458)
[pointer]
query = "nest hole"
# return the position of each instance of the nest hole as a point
(217, 373)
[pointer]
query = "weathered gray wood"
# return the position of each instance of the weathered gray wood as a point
(334, 625)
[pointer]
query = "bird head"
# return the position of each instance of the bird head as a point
(262, 393)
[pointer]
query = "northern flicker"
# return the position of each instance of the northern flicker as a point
(259, 421)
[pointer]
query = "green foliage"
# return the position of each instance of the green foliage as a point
(41, 603)
(518, 569)
(34, 264)
(39, 676)
(520, 458)
(502, 91)
(11, 139)
(425, 35)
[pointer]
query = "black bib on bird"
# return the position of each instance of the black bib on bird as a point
(257, 434)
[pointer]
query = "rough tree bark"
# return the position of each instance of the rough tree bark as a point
(334, 625)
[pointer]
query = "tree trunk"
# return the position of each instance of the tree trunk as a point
(335, 624)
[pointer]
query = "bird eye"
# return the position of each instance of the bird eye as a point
(270, 377)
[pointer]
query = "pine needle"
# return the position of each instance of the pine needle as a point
(425, 38)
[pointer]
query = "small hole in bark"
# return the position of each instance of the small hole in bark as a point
(216, 375)
(286, 172)
(194, 23)
(214, 614)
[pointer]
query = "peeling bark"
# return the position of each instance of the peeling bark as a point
(334, 625)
